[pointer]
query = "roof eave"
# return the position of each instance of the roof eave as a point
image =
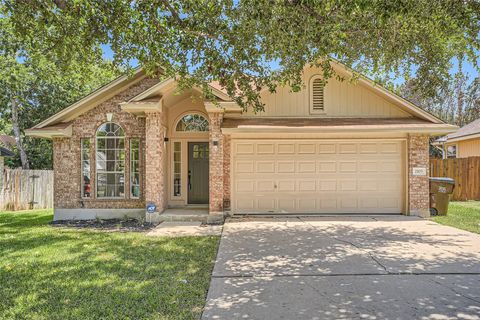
(434, 129)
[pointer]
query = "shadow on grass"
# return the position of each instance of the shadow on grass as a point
(50, 273)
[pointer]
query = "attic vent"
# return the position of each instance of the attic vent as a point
(317, 101)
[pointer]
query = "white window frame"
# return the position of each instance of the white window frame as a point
(107, 172)
(131, 173)
(456, 151)
(82, 182)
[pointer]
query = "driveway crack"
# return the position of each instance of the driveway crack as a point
(455, 291)
(332, 236)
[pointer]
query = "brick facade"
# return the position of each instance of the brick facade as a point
(66, 164)
(226, 172)
(418, 189)
(156, 160)
(216, 181)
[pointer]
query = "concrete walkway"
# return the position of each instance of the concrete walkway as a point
(184, 229)
(345, 268)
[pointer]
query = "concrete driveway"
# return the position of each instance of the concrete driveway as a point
(345, 268)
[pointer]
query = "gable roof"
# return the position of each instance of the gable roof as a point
(469, 131)
(7, 141)
(5, 152)
(392, 96)
(49, 127)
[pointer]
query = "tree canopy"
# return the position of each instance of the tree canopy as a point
(34, 84)
(248, 45)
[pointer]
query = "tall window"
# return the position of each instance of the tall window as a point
(86, 182)
(317, 102)
(177, 168)
(110, 159)
(192, 123)
(134, 168)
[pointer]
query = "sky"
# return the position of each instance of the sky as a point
(467, 67)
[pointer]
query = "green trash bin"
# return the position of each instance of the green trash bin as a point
(440, 191)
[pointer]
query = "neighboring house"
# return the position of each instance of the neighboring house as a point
(6, 144)
(334, 148)
(4, 152)
(461, 144)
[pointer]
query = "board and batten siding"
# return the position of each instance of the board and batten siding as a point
(341, 98)
(468, 148)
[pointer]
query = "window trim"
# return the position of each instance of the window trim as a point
(131, 173)
(179, 196)
(114, 172)
(456, 151)
(310, 89)
(193, 113)
(82, 182)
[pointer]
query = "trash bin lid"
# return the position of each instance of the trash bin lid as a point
(441, 179)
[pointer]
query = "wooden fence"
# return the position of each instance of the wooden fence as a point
(465, 171)
(26, 189)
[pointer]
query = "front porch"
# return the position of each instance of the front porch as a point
(186, 214)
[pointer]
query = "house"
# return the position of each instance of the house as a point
(4, 152)
(6, 144)
(461, 144)
(339, 147)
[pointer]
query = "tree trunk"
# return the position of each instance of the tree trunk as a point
(460, 99)
(18, 137)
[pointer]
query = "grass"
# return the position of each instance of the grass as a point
(462, 215)
(62, 273)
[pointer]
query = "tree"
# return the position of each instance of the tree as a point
(236, 42)
(457, 102)
(34, 85)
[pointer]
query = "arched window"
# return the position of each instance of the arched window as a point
(317, 101)
(110, 161)
(192, 123)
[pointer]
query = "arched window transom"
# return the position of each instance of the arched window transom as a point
(110, 161)
(192, 123)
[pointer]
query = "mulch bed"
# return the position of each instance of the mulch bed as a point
(106, 225)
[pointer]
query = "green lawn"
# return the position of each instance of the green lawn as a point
(462, 215)
(63, 273)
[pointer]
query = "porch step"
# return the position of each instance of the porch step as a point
(188, 215)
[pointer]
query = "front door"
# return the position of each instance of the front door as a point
(198, 172)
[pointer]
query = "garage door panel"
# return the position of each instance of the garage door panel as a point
(347, 148)
(265, 166)
(244, 167)
(266, 186)
(306, 166)
(318, 176)
(327, 166)
(287, 205)
(327, 148)
(306, 185)
(368, 148)
(286, 148)
(266, 204)
(244, 148)
(327, 185)
(307, 148)
(245, 186)
(347, 166)
(286, 166)
(307, 205)
(348, 185)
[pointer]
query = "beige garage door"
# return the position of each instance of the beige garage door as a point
(318, 176)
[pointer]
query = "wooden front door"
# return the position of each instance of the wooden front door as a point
(198, 164)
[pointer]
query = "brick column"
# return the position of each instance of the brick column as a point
(155, 161)
(418, 190)
(216, 163)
